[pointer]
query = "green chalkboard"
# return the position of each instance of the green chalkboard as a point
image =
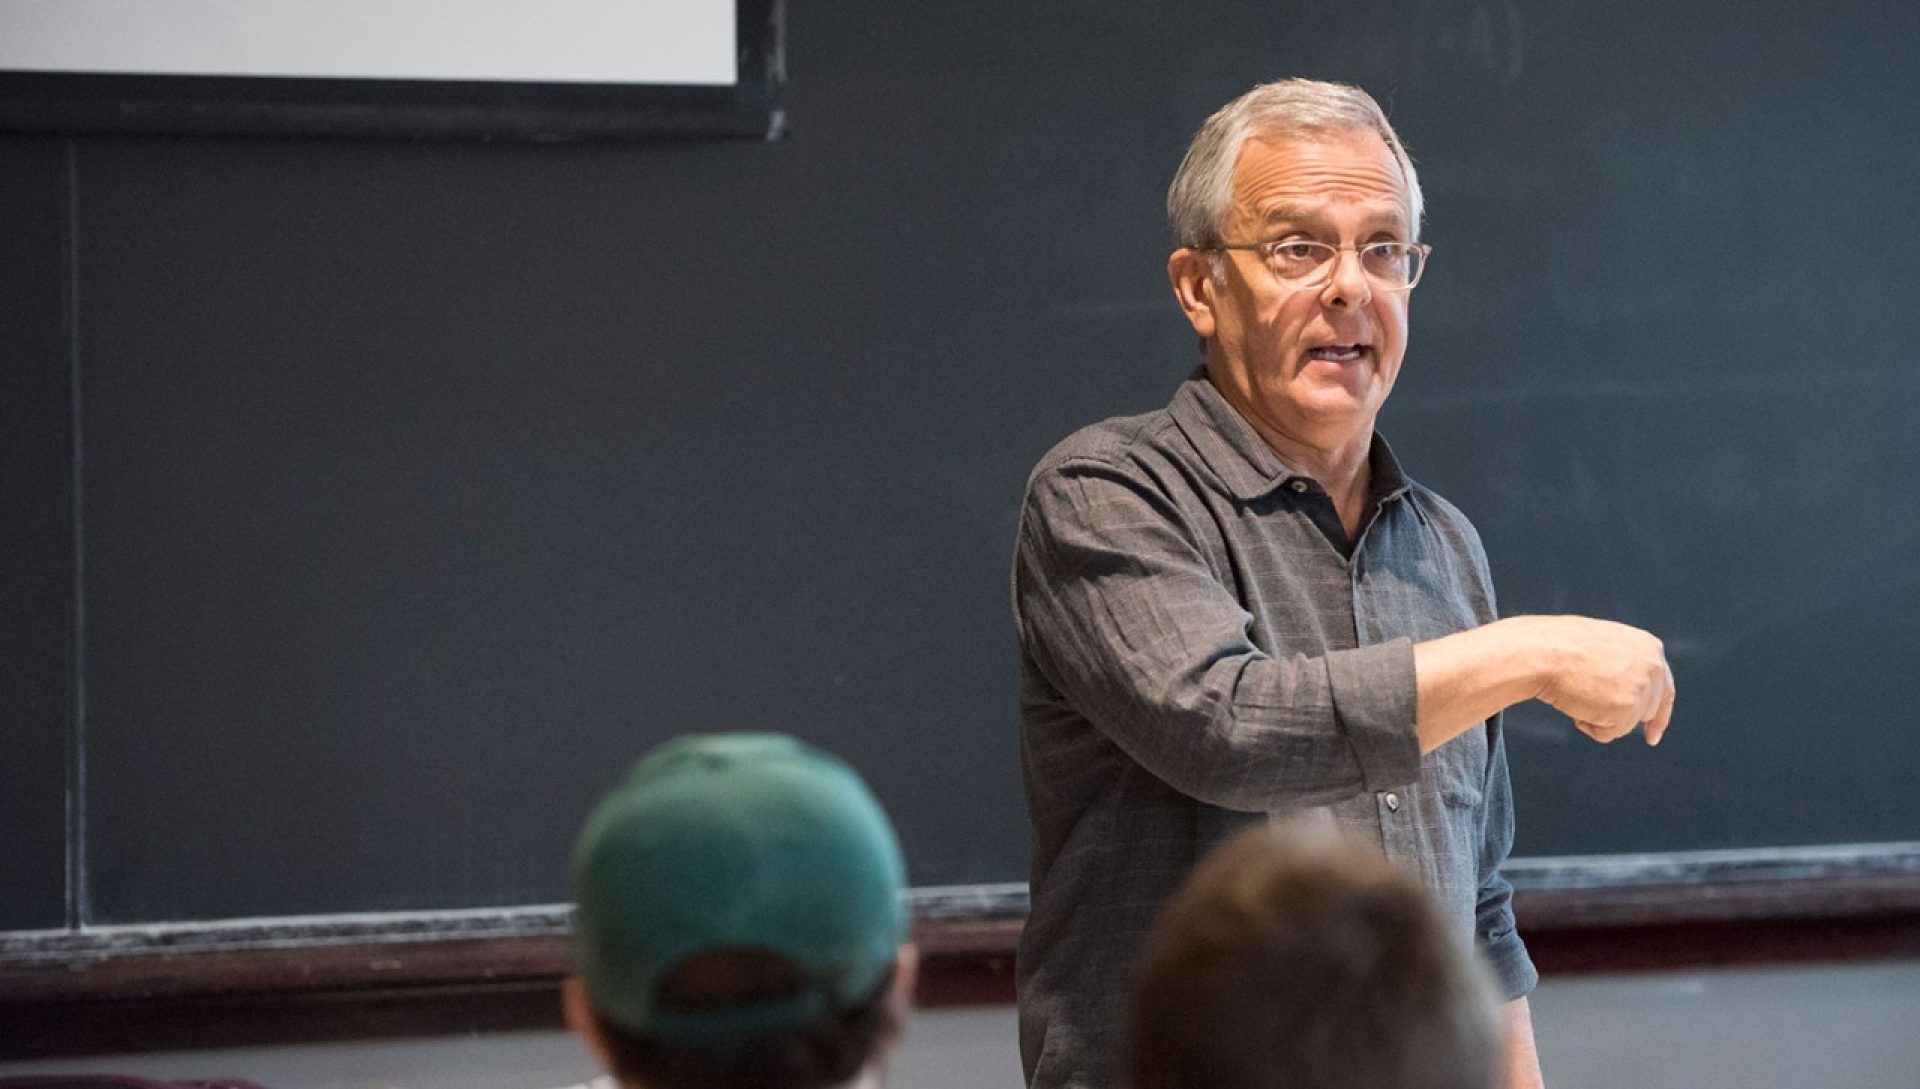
(397, 494)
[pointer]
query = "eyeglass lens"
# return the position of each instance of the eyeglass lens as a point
(1389, 264)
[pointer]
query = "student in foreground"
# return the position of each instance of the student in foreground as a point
(1283, 964)
(741, 921)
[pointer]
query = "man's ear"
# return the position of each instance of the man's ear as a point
(1189, 271)
(580, 1019)
(906, 975)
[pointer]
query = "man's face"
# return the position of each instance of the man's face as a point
(1310, 364)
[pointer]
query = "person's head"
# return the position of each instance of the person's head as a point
(1307, 348)
(741, 920)
(1286, 965)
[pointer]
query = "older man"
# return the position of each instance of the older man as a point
(1239, 607)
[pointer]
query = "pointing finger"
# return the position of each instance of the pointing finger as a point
(1657, 725)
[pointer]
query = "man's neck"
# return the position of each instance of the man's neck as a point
(1343, 469)
(1342, 464)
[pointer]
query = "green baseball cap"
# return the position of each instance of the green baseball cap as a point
(736, 842)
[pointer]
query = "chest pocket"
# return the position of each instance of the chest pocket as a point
(1457, 771)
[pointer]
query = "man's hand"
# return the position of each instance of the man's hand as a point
(1607, 677)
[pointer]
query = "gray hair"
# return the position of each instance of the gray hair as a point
(1202, 188)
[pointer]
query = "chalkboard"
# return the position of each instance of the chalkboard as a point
(380, 502)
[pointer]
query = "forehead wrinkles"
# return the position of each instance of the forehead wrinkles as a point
(1351, 168)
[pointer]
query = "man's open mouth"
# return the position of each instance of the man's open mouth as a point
(1338, 353)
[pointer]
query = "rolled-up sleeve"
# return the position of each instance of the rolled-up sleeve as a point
(1120, 608)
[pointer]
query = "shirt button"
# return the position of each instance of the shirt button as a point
(1299, 486)
(1393, 802)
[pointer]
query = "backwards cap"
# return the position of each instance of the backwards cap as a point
(736, 842)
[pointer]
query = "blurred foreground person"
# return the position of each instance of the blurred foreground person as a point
(1288, 965)
(741, 921)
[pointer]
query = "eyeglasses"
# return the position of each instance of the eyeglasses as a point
(1299, 263)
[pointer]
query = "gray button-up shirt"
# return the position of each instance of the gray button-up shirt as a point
(1198, 653)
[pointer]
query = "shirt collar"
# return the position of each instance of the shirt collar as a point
(1243, 461)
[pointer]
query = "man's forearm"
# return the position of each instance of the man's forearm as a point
(1607, 677)
(1523, 1061)
(1468, 677)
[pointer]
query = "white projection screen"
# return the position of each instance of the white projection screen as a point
(481, 69)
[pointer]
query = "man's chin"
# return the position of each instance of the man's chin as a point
(1350, 395)
(1336, 415)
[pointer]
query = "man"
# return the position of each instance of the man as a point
(741, 921)
(1284, 965)
(1239, 606)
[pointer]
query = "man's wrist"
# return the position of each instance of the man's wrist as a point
(1527, 655)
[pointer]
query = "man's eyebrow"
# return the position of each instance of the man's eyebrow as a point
(1288, 213)
(1300, 215)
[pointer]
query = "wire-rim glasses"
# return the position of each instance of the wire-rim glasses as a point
(1302, 263)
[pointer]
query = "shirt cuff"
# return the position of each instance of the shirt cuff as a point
(1513, 970)
(1377, 703)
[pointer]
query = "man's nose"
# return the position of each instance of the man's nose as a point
(1347, 284)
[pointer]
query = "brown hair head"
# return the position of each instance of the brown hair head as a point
(1282, 965)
